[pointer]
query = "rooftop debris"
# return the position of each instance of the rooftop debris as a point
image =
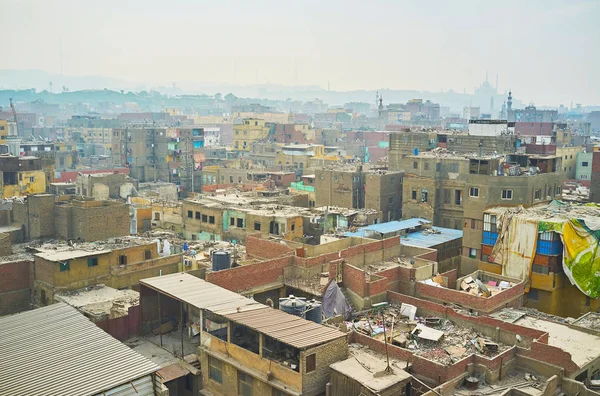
(433, 338)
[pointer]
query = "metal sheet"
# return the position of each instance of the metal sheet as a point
(56, 350)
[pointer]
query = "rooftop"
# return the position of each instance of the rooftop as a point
(58, 350)
(389, 227)
(365, 366)
(289, 329)
(431, 237)
(582, 346)
(100, 302)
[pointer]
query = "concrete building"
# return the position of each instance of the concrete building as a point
(538, 245)
(569, 160)
(245, 346)
(118, 263)
(595, 178)
(21, 176)
(360, 187)
(97, 363)
(102, 186)
(249, 131)
(583, 168)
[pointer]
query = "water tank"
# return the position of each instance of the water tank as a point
(314, 311)
(416, 151)
(221, 259)
(293, 305)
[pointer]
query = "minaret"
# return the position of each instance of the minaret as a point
(380, 106)
(509, 102)
(492, 107)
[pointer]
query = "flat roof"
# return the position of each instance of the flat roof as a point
(389, 227)
(289, 329)
(355, 367)
(582, 346)
(55, 350)
(427, 239)
(60, 255)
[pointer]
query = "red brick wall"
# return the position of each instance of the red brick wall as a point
(452, 275)
(377, 287)
(263, 248)
(16, 281)
(354, 279)
(246, 277)
(71, 176)
(480, 304)
(552, 355)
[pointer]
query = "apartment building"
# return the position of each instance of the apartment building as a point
(360, 186)
(21, 176)
(249, 131)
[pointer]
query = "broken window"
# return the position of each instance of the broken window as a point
(457, 197)
(215, 370)
(311, 363)
(424, 195)
(65, 266)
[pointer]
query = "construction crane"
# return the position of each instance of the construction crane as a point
(12, 107)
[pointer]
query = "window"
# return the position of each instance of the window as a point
(245, 383)
(446, 196)
(204, 218)
(311, 363)
(293, 227)
(489, 222)
(31, 179)
(190, 214)
(231, 179)
(533, 294)
(426, 166)
(457, 197)
(414, 194)
(256, 226)
(147, 254)
(198, 216)
(65, 266)
(473, 192)
(211, 219)
(240, 223)
(156, 216)
(92, 262)
(122, 259)
(540, 269)
(584, 164)
(232, 221)
(415, 165)
(537, 194)
(571, 157)
(438, 167)
(215, 370)
(424, 194)
(558, 190)
(506, 194)
(472, 253)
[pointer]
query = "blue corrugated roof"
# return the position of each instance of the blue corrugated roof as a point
(389, 227)
(428, 240)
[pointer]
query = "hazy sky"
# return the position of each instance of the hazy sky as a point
(547, 51)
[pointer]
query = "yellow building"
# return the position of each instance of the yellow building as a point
(3, 131)
(280, 118)
(299, 155)
(118, 265)
(248, 132)
(398, 116)
(568, 157)
(100, 136)
(28, 182)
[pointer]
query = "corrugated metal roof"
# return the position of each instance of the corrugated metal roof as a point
(56, 350)
(201, 294)
(423, 239)
(389, 227)
(289, 329)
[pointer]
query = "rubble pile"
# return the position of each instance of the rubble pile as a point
(433, 338)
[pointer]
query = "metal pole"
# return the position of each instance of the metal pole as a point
(159, 320)
(181, 325)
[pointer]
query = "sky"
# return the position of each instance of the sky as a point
(546, 50)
